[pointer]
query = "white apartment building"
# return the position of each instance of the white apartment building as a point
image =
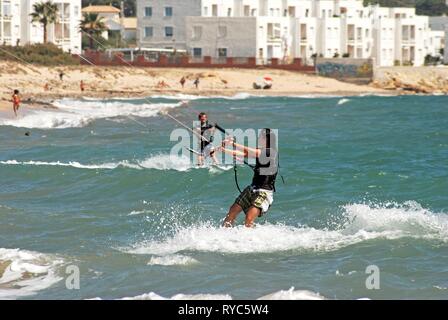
(439, 29)
(286, 29)
(64, 33)
(9, 21)
(16, 26)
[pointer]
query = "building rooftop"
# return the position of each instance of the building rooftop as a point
(100, 9)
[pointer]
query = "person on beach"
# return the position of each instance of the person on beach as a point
(182, 82)
(82, 86)
(16, 101)
(256, 199)
(206, 146)
(196, 83)
(61, 76)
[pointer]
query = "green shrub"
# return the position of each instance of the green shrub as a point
(42, 54)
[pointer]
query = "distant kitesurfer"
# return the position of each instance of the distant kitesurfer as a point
(182, 82)
(196, 83)
(255, 199)
(16, 101)
(207, 148)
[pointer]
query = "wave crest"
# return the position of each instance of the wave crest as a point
(363, 223)
(23, 273)
(70, 113)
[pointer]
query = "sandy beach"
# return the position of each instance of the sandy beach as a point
(107, 82)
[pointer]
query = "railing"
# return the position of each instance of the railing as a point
(7, 40)
(196, 59)
(274, 38)
(219, 60)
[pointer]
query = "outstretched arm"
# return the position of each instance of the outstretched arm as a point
(241, 149)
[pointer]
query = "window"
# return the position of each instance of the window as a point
(197, 52)
(215, 10)
(246, 11)
(222, 31)
(197, 32)
(6, 9)
(149, 32)
(205, 11)
(76, 10)
(222, 52)
(229, 12)
(148, 11)
(274, 30)
(169, 32)
(168, 11)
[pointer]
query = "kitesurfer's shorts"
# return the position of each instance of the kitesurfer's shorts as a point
(260, 198)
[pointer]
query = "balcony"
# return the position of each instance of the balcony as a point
(63, 19)
(274, 39)
(7, 41)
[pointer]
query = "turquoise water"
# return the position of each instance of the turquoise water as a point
(94, 186)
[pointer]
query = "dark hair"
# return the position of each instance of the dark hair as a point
(201, 115)
(270, 137)
(16, 91)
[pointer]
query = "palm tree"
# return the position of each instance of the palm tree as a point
(93, 25)
(45, 13)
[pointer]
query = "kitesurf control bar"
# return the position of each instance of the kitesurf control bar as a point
(217, 126)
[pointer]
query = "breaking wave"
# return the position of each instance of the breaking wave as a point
(363, 223)
(290, 294)
(24, 273)
(71, 113)
(343, 101)
(158, 162)
(172, 260)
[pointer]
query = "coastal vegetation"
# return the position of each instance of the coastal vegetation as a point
(42, 54)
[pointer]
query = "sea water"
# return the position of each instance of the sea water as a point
(94, 187)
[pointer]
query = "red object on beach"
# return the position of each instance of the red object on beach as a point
(267, 78)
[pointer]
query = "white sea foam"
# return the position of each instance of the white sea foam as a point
(172, 260)
(364, 222)
(157, 162)
(73, 164)
(343, 101)
(290, 294)
(79, 113)
(26, 272)
(180, 296)
(167, 162)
